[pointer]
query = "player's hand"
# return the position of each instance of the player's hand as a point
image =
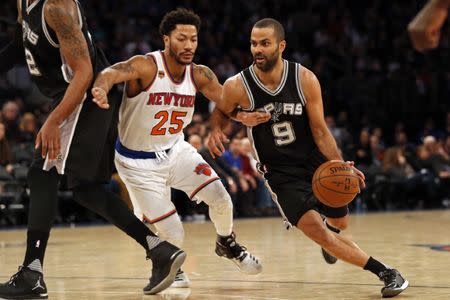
(215, 142)
(252, 119)
(424, 29)
(48, 139)
(100, 97)
(361, 177)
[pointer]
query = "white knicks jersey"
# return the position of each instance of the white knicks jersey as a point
(154, 120)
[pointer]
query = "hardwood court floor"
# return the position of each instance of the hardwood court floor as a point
(102, 263)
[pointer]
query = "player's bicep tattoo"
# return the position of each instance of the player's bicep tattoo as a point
(67, 29)
(124, 67)
(207, 73)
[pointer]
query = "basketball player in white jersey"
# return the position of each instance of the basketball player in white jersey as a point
(151, 154)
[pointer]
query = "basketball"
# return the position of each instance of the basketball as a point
(335, 183)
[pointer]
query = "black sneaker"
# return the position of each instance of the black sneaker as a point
(394, 283)
(330, 259)
(227, 247)
(166, 259)
(25, 284)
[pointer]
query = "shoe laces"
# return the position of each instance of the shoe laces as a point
(388, 276)
(12, 280)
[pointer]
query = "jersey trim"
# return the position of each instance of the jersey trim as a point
(168, 72)
(44, 23)
(29, 8)
(282, 82)
(275, 199)
(202, 187)
(298, 84)
(44, 28)
(71, 134)
(273, 195)
(165, 216)
(191, 73)
(156, 74)
(249, 93)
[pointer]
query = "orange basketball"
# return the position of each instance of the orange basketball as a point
(335, 183)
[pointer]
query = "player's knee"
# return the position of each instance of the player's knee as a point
(340, 223)
(216, 197)
(318, 233)
(84, 194)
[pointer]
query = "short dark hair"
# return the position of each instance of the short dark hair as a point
(178, 17)
(269, 22)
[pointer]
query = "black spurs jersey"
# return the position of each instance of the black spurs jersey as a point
(45, 62)
(286, 139)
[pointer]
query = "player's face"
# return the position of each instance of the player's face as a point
(182, 43)
(266, 50)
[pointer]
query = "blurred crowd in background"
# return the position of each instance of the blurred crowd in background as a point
(387, 106)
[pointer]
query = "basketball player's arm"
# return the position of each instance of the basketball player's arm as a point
(424, 29)
(208, 84)
(321, 134)
(233, 97)
(139, 68)
(62, 17)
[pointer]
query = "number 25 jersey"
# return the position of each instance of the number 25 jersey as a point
(154, 119)
(286, 139)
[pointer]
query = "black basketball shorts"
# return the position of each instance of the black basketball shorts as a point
(291, 189)
(87, 143)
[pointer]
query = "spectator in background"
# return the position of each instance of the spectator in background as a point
(439, 163)
(10, 113)
(362, 153)
(246, 197)
(340, 134)
(28, 128)
(263, 198)
(401, 177)
(5, 153)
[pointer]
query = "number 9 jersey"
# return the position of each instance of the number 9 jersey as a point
(154, 119)
(286, 139)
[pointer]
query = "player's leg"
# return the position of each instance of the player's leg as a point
(194, 176)
(345, 249)
(336, 220)
(161, 213)
(28, 282)
(145, 181)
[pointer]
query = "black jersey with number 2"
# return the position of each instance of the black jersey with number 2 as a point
(42, 52)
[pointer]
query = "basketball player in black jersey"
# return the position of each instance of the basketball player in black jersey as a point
(290, 141)
(76, 139)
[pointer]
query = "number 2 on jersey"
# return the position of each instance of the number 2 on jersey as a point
(283, 132)
(174, 120)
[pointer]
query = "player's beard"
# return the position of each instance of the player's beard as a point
(270, 62)
(177, 58)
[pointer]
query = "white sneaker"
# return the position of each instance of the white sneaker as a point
(227, 247)
(181, 280)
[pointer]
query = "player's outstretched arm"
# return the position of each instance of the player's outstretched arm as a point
(209, 85)
(424, 29)
(139, 68)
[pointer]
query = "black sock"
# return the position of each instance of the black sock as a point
(332, 228)
(41, 213)
(142, 234)
(374, 266)
(36, 245)
(114, 209)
